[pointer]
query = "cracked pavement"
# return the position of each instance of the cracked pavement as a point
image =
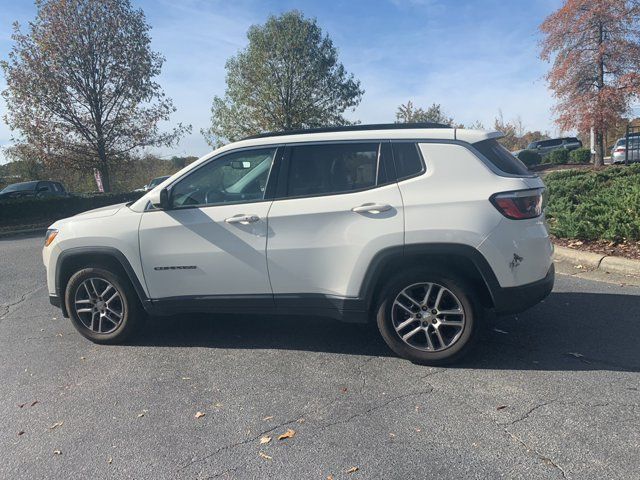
(550, 393)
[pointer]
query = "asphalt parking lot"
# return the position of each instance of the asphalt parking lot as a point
(550, 393)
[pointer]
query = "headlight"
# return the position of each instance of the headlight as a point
(49, 236)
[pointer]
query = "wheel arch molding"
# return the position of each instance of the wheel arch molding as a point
(460, 259)
(71, 260)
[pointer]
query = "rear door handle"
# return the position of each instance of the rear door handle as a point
(243, 219)
(372, 208)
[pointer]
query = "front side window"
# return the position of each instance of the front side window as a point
(332, 168)
(234, 178)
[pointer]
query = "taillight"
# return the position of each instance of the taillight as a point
(520, 204)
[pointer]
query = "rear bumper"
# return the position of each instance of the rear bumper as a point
(518, 299)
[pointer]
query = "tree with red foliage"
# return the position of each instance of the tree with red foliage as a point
(595, 49)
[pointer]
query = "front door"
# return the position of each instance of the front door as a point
(212, 241)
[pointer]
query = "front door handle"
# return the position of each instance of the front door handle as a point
(243, 219)
(372, 208)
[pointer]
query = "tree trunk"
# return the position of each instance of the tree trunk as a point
(104, 169)
(598, 160)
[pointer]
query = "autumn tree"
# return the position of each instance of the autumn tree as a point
(288, 77)
(81, 85)
(594, 46)
(408, 113)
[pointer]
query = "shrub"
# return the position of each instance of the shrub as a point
(594, 205)
(580, 156)
(30, 211)
(529, 157)
(557, 157)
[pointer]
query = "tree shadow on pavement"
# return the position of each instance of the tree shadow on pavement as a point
(568, 331)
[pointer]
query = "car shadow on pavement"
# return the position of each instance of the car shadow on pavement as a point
(568, 331)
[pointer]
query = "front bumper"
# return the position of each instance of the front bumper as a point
(518, 299)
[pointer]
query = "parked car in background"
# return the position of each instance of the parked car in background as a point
(34, 189)
(153, 183)
(544, 147)
(619, 150)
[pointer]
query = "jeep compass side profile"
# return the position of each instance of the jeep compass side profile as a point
(418, 227)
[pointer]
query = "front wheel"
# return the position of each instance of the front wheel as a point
(103, 306)
(428, 317)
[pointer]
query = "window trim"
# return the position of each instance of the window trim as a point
(283, 177)
(270, 177)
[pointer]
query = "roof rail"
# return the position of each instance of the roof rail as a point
(350, 128)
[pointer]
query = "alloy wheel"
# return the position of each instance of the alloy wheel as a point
(428, 316)
(99, 305)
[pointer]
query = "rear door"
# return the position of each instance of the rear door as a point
(337, 206)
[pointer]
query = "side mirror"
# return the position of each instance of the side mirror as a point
(160, 199)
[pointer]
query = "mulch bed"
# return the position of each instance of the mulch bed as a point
(604, 247)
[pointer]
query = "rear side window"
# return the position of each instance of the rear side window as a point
(501, 158)
(407, 159)
(332, 168)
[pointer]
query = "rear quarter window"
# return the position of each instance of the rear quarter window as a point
(501, 158)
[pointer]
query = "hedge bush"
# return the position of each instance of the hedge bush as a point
(529, 157)
(595, 205)
(580, 156)
(557, 157)
(31, 211)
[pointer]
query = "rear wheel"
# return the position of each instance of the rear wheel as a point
(428, 317)
(103, 306)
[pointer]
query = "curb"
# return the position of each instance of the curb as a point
(598, 261)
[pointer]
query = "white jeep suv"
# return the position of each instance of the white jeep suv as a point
(420, 227)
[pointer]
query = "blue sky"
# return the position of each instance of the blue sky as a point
(474, 57)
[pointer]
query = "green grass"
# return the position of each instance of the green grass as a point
(595, 205)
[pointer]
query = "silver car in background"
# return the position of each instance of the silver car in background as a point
(618, 153)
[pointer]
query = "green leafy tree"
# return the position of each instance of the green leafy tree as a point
(408, 113)
(287, 78)
(81, 88)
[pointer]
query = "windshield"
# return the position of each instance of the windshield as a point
(19, 187)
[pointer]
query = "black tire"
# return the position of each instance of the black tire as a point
(466, 296)
(132, 314)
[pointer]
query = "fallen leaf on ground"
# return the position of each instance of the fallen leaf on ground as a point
(580, 267)
(501, 407)
(329, 477)
(56, 425)
(353, 469)
(392, 435)
(200, 414)
(418, 429)
(264, 440)
(344, 389)
(288, 434)
(265, 456)
(20, 405)
(110, 461)
(218, 405)
(21, 432)
(142, 414)
(34, 403)
(270, 417)
(57, 452)
(186, 378)
(300, 421)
